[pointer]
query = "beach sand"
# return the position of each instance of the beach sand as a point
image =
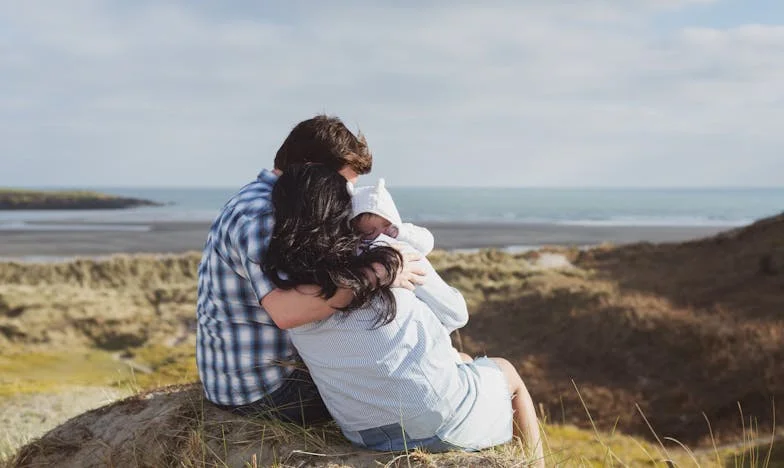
(52, 242)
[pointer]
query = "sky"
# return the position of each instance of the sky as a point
(604, 93)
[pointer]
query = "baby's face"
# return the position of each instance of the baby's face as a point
(371, 225)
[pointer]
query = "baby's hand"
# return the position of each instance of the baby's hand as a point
(391, 231)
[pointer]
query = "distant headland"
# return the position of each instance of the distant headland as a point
(20, 199)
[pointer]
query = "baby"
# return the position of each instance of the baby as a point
(375, 213)
(376, 217)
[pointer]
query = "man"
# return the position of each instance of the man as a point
(243, 352)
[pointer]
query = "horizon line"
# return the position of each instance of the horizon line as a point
(548, 187)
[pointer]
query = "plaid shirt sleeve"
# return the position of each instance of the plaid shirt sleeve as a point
(252, 238)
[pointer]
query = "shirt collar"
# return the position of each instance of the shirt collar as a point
(267, 176)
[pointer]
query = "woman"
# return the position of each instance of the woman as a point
(384, 365)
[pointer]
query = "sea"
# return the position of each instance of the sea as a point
(567, 206)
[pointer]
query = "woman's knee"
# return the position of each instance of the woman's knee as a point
(513, 378)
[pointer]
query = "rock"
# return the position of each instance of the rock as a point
(175, 426)
(552, 261)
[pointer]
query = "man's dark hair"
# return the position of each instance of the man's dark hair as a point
(313, 242)
(324, 140)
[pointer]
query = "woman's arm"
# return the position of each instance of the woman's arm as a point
(446, 302)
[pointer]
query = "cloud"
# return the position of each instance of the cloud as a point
(517, 93)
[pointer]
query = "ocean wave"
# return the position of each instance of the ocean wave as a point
(657, 222)
(621, 221)
(71, 227)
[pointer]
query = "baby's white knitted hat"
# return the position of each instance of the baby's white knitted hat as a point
(377, 200)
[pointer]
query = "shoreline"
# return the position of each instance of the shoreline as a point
(62, 241)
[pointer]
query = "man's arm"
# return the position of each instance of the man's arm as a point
(304, 304)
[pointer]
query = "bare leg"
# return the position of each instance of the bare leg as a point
(525, 424)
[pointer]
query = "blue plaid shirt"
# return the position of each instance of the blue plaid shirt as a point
(238, 346)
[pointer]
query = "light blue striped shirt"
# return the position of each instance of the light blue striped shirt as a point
(400, 373)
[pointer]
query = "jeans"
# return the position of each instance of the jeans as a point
(296, 401)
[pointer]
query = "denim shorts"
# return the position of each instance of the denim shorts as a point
(296, 401)
(482, 419)
(392, 438)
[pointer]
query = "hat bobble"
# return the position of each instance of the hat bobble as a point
(377, 200)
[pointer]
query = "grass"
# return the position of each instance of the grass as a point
(224, 441)
(41, 372)
(658, 339)
(142, 368)
(169, 365)
(206, 434)
(621, 346)
(175, 427)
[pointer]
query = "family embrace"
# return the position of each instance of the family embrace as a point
(316, 301)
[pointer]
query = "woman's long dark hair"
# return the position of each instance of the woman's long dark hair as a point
(313, 242)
